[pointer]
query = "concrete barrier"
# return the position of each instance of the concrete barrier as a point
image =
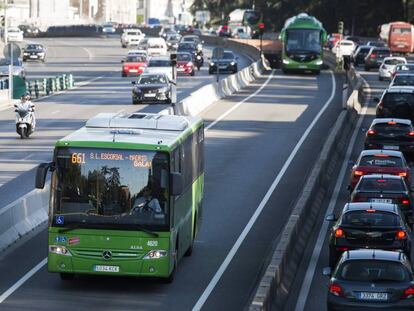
(274, 287)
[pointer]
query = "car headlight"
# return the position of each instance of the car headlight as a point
(60, 250)
(156, 254)
(212, 64)
(319, 62)
(286, 62)
(41, 53)
(232, 63)
(137, 90)
(25, 53)
(163, 90)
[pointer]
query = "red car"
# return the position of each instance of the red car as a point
(380, 162)
(185, 64)
(134, 65)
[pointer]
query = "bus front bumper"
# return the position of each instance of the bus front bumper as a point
(288, 64)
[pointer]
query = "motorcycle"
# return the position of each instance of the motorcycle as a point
(25, 119)
(199, 60)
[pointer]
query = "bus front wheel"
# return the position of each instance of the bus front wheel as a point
(170, 278)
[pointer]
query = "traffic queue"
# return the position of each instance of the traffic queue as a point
(371, 239)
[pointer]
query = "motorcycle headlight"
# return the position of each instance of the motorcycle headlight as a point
(212, 64)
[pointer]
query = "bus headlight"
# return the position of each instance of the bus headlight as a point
(286, 62)
(60, 250)
(155, 254)
(319, 62)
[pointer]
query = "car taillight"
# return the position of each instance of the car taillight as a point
(411, 134)
(371, 132)
(339, 233)
(336, 290)
(405, 201)
(408, 293)
(402, 174)
(373, 55)
(401, 235)
(358, 173)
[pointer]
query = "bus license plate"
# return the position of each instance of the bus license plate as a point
(303, 66)
(97, 268)
(381, 200)
(391, 147)
(373, 296)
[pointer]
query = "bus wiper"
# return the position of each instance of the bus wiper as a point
(152, 233)
(103, 226)
(70, 227)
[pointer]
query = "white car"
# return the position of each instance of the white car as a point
(156, 47)
(137, 52)
(344, 48)
(14, 34)
(108, 28)
(131, 37)
(160, 64)
(388, 66)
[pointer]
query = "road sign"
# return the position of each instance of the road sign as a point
(218, 53)
(12, 50)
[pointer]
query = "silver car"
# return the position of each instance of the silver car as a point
(18, 68)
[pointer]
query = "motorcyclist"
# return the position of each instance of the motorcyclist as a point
(199, 60)
(27, 104)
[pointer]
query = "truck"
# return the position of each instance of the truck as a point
(399, 36)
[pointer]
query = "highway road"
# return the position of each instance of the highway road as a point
(96, 64)
(310, 288)
(260, 145)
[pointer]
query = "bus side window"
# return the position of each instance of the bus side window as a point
(176, 160)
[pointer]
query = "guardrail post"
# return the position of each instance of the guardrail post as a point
(64, 84)
(29, 87)
(71, 82)
(44, 87)
(52, 85)
(36, 88)
(57, 83)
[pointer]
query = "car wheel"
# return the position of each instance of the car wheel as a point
(235, 70)
(124, 75)
(136, 102)
(367, 68)
(316, 72)
(380, 78)
(192, 73)
(170, 278)
(210, 72)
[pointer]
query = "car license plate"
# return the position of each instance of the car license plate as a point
(302, 67)
(391, 147)
(33, 56)
(180, 69)
(373, 296)
(113, 269)
(150, 95)
(133, 70)
(401, 46)
(381, 200)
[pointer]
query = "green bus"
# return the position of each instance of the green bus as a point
(126, 195)
(303, 38)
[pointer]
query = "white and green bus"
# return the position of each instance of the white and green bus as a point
(126, 195)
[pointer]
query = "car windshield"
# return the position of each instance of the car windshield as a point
(13, 30)
(183, 57)
(391, 129)
(6, 62)
(363, 51)
(403, 80)
(152, 79)
(135, 59)
(186, 46)
(159, 63)
(383, 161)
(228, 55)
(381, 185)
(303, 41)
(405, 67)
(370, 218)
(116, 189)
(392, 100)
(381, 52)
(372, 271)
(34, 47)
(173, 37)
(189, 39)
(393, 61)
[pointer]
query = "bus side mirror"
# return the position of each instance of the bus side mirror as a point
(177, 184)
(41, 173)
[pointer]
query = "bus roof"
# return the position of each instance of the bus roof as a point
(147, 131)
(303, 20)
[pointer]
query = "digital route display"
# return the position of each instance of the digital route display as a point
(136, 160)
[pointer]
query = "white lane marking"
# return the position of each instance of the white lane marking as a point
(240, 102)
(263, 203)
(28, 157)
(23, 280)
(310, 272)
(55, 112)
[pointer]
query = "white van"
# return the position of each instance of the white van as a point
(156, 47)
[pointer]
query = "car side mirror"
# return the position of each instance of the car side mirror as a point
(331, 217)
(376, 100)
(177, 182)
(327, 271)
(133, 82)
(41, 173)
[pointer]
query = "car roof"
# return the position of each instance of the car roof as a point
(373, 152)
(400, 89)
(159, 58)
(362, 206)
(394, 57)
(404, 73)
(373, 254)
(147, 74)
(381, 176)
(386, 120)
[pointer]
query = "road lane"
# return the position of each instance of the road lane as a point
(244, 153)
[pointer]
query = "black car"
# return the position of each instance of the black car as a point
(228, 63)
(368, 225)
(187, 47)
(378, 188)
(396, 102)
(371, 279)
(358, 57)
(375, 57)
(151, 88)
(391, 134)
(34, 52)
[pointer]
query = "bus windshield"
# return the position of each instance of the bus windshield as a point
(303, 41)
(111, 189)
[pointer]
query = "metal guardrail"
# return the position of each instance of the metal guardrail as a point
(43, 87)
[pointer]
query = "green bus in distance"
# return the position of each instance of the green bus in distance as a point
(303, 38)
(126, 195)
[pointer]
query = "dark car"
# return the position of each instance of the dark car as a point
(378, 44)
(228, 63)
(391, 134)
(403, 68)
(403, 79)
(151, 88)
(187, 47)
(375, 57)
(396, 102)
(368, 225)
(34, 52)
(385, 189)
(172, 41)
(358, 57)
(371, 279)
(380, 162)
